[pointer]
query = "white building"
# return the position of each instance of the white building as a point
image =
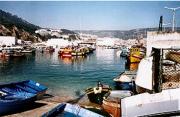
(7, 40)
(162, 40)
(106, 41)
(57, 42)
(87, 37)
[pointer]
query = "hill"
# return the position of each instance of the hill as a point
(12, 25)
(9, 20)
(123, 34)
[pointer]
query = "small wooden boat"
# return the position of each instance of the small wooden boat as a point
(27, 51)
(86, 50)
(29, 86)
(12, 102)
(124, 52)
(17, 54)
(125, 80)
(97, 93)
(69, 110)
(112, 102)
(2, 55)
(49, 49)
(14, 96)
(91, 50)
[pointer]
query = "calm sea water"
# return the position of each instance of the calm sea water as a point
(64, 77)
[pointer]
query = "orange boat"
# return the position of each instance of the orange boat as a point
(112, 102)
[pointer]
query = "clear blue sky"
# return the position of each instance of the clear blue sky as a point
(93, 15)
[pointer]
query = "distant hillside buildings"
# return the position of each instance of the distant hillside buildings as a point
(7, 40)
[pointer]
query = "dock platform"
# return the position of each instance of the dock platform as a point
(35, 110)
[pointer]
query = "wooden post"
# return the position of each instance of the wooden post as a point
(156, 69)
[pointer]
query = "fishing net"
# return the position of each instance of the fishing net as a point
(170, 68)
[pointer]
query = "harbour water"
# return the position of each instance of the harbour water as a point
(66, 77)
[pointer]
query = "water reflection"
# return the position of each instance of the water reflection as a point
(132, 66)
(105, 55)
(72, 60)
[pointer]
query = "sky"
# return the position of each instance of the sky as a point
(93, 15)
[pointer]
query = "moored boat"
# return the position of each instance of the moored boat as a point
(97, 93)
(136, 54)
(12, 102)
(78, 52)
(15, 95)
(49, 49)
(17, 54)
(69, 110)
(125, 80)
(162, 104)
(28, 49)
(112, 101)
(66, 52)
(29, 86)
(124, 52)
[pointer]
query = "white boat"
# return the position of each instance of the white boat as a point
(124, 52)
(125, 80)
(163, 103)
(27, 51)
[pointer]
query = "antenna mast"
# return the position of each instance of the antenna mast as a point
(174, 13)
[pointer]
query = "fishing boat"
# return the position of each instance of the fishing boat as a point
(29, 86)
(78, 52)
(69, 110)
(136, 54)
(91, 49)
(66, 52)
(125, 80)
(17, 54)
(97, 93)
(28, 50)
(12, 102)
(86, 50)
(112, 101)
(3, 55)
(49, 49)
(124, 52)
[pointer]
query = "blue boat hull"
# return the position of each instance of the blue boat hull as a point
(69, 110)
(25, 86)
(13, 103)
(124, 85)
(16, 95)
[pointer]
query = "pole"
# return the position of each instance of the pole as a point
(173, 20)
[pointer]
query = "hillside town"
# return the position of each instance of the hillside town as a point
(52, 72)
